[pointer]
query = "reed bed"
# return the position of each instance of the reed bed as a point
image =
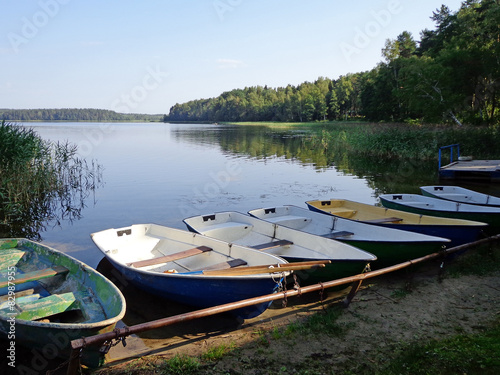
(406, 141)
(40, 182)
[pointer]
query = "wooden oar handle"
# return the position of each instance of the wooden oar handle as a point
(271, 268)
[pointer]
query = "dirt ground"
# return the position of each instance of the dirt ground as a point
(388, 312)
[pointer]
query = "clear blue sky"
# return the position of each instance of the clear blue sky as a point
(145, 56)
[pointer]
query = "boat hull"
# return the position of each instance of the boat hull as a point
(182, 279)
(391, 253)
(202, 292)
(52, 339)
(390, 246)
(459, 232)
(248, 231)
(333, 271)
(459, 194)
(490, 218)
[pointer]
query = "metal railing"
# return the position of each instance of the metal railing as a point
(451, 147)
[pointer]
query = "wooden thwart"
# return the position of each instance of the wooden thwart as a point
(171, 257)
(34, 276)
(272, 244)
(10, 257)
(385, 220)
(224, 265)
(44, 307)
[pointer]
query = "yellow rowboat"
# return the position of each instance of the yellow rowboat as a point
(459, 231)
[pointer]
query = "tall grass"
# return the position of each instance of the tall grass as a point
(406, 141)
(40, 182)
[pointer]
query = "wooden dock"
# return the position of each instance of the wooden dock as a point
(486, 170)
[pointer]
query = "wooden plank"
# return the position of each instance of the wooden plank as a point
(385, 220)
(270, 268)
(34, 276)
(10, 257)
(17, 295)
(342, 233)
(223, 265)
(170, 257)
(47, 306)
(272, 245)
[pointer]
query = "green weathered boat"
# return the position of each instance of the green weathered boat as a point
(48, 299)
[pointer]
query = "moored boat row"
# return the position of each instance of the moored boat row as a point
(226, 257)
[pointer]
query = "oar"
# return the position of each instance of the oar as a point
(270, 268)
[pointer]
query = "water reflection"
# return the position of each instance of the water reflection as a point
(294, 143)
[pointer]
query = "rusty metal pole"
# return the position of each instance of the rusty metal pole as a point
(77, 345)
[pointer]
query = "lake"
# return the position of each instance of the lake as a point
(162, 173)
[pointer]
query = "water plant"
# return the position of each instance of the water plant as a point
(40, 182)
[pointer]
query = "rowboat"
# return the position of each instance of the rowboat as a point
(458, 231)
(390, 246)
(189, 268)
(438, 207)
(49, 298)
(460, 194)
(290, 244)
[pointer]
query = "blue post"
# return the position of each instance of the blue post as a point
(451, 152)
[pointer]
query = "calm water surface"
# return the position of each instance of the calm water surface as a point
(162, 173)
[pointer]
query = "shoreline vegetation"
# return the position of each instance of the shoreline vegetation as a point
(74, 115)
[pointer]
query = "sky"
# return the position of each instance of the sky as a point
(145, 56)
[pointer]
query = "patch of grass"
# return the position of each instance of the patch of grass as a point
(325, 322)
(462, 354)
(180, 365)
(400, 293)
(217, 352)
(321, 322)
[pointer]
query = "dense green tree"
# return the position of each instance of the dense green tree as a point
(452, 74)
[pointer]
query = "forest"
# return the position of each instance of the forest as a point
(450, 75)
(73, 114)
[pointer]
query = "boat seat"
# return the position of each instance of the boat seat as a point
(10, 257)
(338, 234)
(34, 276)
(384, 220)
(341, 212)
(44, 307)
(170, 257)
(272, 244)
(224, 265)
